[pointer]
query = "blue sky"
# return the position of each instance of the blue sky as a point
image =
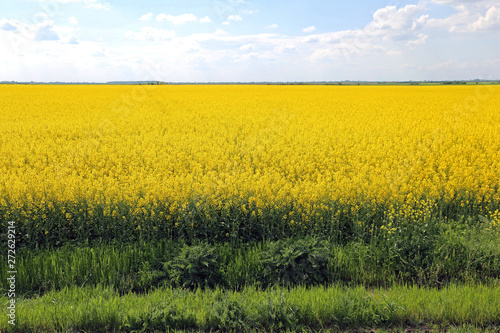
(249, 40)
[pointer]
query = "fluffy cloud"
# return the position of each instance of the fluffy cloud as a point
(234, 18)
(457, 3)
(249, 11)
(347, 50)
(395, 23)
(151, 34)
(220, 32)
(46, 33)
(471, 16)
(73, 40)
(490, 20)
(73, 20)
(94, 4)
(30, 32)
(286, 47)
(146, 17)
(422, 38)
(390, 28)
(7, 26)
(179, 19)
(309, 29)
(22, 38)
(98, 5)
(388, 23)
(397, 43)
(246, 47)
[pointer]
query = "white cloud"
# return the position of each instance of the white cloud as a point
(62, 1)
(93, 4)
(234, 18)
(46, 33)
(286, 47)
(381, 50)
(6, 25)
(457, 3)
(151, 34)
(146, 17)
(452, 23)
(437, 66)
(455, 69)
(69, 1)
(471, 16)
(490, 20)
(73, 40)
(24, 37)
(73, 20)
(309, 29)
(347, 50)
(396, 23)
(98, 5)
(272, 26)
(43, 31)
(246, 47)
(220, 32)
(391, 30)
(393, 53)
(249, 11)
(254, 56)
(422, 38)
(226, 22)
(179, 19)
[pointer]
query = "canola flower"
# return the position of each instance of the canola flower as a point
(218, 159)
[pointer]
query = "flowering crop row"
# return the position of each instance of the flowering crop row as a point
(229, 162)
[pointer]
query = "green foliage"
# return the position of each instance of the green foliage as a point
(278, 313)
(292, 262)
(467, 254)
(160, 318)
(64, 223)
(99, 309)
(195, 266)
(228, 312)
(241, 264)
(410, 249)
(148, 277)
(428, 257)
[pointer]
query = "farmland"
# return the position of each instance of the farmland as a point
(130, 187)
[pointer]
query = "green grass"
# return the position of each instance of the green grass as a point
(437, 273)
(99, 309)
(455, 253)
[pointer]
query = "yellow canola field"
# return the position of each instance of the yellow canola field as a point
(291, 151)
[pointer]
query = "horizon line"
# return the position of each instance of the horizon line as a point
(337, 82)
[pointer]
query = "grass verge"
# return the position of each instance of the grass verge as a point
(98, 309)
(457, 254)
